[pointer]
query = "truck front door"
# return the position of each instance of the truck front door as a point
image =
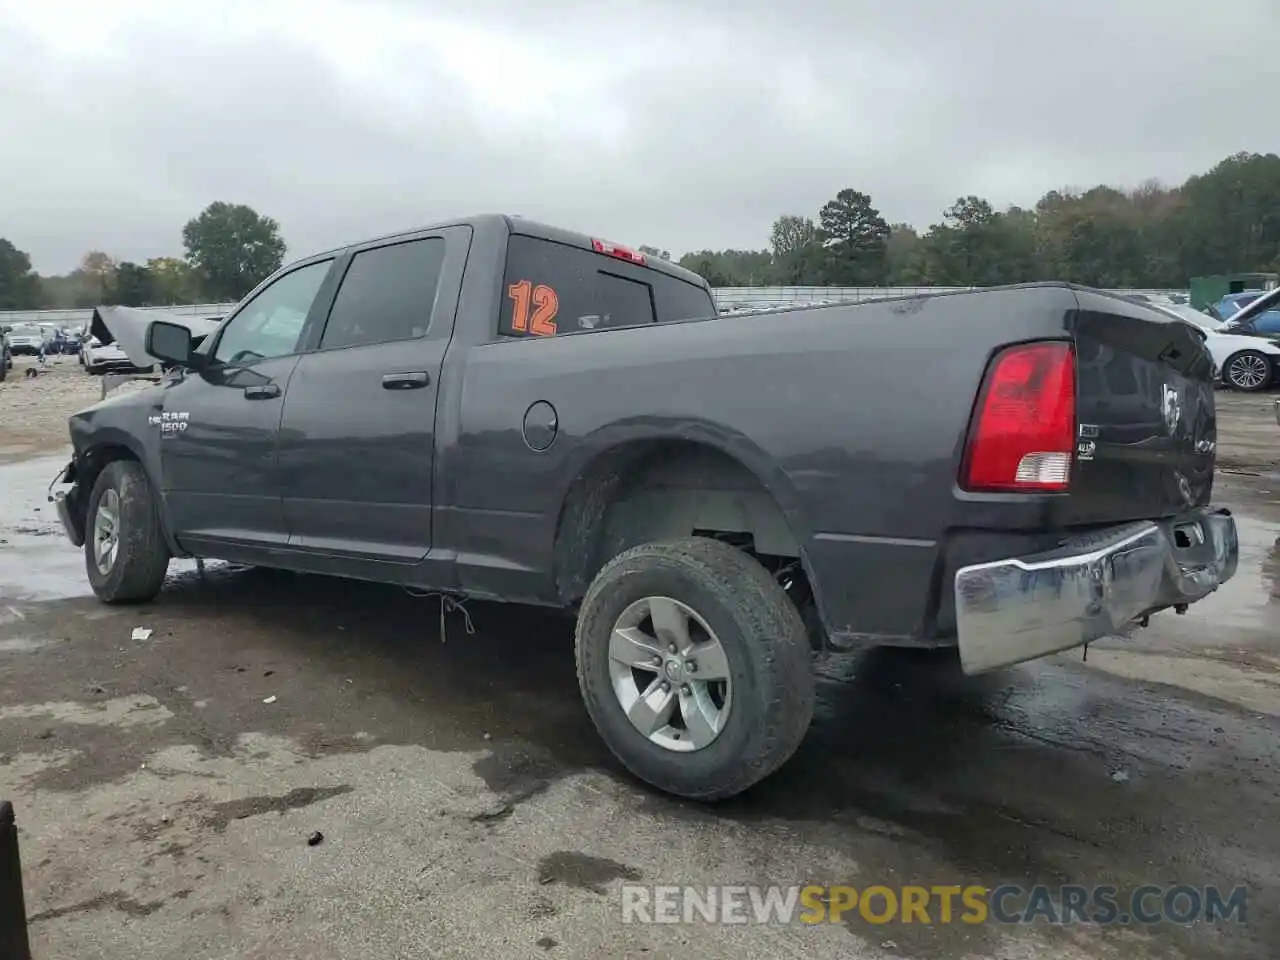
(219, 427)
(357, 439)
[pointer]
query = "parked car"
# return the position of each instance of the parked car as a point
(1245, 362)
(1265, 323)
(499, 409)
(25, 339)
(99, 358)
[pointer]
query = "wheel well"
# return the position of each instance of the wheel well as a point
(88, 467)
(661, 490)
(95, 460)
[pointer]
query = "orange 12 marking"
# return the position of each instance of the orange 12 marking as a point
(545, 305)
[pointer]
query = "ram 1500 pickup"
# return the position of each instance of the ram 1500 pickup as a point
(496, 409)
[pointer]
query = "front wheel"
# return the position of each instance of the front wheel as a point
(124, 547)
(694, 666)
(1248, 370)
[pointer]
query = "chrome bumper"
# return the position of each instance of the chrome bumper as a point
(1092, 586)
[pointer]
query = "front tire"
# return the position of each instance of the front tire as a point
(694, 666)
(1248, 370)
(125, 552)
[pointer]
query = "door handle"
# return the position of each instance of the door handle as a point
(262, 391)
(406, 381)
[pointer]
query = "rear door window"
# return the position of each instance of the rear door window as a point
(387, 295)
(552, 288)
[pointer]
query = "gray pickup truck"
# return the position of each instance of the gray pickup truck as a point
(497, 409)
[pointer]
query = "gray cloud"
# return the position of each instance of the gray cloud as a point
(686, 125)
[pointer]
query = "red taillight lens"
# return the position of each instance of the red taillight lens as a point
(618, 250)
(1023, 434)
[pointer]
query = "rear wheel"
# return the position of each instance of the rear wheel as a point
(694, 666)
(124, 547)
(1248, 370)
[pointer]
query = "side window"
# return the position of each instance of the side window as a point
(270, 324)
(387, 295)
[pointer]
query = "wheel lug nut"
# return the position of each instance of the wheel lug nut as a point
(685, 690)
(671, 648)
(657, 661)
(691, 666)
(666, 687)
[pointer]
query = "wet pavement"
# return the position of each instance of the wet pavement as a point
(468, 809)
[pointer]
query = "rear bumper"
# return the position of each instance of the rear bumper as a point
(1093, 586)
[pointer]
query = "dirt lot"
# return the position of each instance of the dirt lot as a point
(33, 412)
(167, 786)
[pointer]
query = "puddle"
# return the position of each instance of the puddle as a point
(37, 562)
(25, 644)
(123, 712)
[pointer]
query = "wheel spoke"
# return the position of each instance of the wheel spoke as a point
(710, 661)
(669, 622)
(631, 646)
(701, 716)
(652, 709)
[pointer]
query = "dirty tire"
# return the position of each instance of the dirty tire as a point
(763, 637)
(142, 556)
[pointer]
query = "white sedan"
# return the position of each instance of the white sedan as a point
(99, 358)
(1244, 362)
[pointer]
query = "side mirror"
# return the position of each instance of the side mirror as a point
(169, 343)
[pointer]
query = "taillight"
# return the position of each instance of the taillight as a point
(617, 250)
(1023, 433)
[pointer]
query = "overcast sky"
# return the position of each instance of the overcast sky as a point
(680, 123)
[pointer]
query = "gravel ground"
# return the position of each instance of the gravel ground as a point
(33, 412)
(168, 785)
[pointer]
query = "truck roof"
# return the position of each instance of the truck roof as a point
(530, 228)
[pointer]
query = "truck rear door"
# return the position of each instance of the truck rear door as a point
(357, 436)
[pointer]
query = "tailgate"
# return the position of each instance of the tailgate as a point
(1145, 409)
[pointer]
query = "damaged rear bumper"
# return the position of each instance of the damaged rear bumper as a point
(1092, 586)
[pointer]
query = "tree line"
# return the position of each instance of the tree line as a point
(1154, 236)
(1224, 221)
(230, 248)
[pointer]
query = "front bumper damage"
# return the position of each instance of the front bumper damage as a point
(66, 501)
(1090, 587)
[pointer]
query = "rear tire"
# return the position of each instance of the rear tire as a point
(731, 605)
(125, 552)
(1248, 370)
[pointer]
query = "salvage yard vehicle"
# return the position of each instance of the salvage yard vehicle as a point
(497, 409)
(26, 339)
(1245, 361)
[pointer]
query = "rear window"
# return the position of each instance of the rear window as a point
(554, 288)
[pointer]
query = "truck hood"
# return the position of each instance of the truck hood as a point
(127, 328)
